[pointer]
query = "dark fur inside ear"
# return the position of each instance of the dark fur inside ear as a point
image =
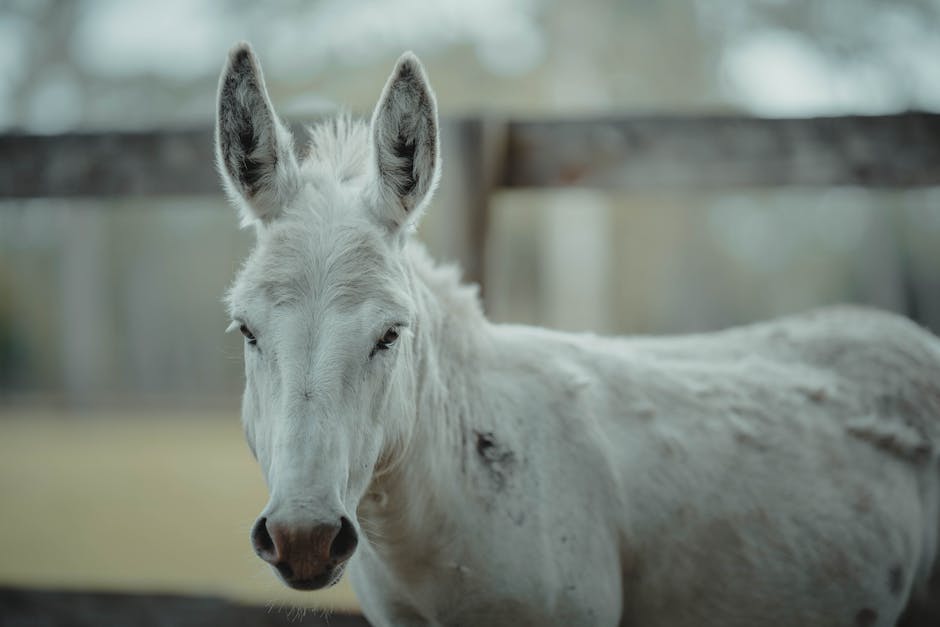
(244, 119)
(406, 179)
(254, 151)
(405, 134)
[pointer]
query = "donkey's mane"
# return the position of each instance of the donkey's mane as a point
(462, 300)
(338, 148)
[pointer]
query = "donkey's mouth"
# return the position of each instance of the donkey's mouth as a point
(328, 578)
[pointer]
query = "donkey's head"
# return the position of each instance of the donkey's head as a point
(324, 302)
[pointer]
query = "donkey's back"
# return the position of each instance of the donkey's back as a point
(781, 473)
(851, 362)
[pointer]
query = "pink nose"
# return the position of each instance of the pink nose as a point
(307, 557)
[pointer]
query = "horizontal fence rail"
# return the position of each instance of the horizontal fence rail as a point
(622, 153)
(722, 151)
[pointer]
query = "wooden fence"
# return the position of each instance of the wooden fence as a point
(485, 154)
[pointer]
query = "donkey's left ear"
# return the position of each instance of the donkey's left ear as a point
(405, 143)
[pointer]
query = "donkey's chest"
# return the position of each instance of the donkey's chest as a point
(477, 591)
(505, 559)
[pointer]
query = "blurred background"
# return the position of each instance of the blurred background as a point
(122, 465)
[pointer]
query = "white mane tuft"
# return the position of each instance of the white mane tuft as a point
(338, 149)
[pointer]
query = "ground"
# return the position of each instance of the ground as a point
(136, 501)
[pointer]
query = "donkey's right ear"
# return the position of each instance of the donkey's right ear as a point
(254, 150)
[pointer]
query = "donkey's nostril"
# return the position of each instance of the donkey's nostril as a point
(262, 542)
(286, 571)
(302, 553)
(345, 541)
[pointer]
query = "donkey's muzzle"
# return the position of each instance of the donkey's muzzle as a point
(307, 557)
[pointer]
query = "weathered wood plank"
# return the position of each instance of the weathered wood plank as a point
(725, 151)
(615, 153)
(158, 163)
(174, 162)
(478, 146)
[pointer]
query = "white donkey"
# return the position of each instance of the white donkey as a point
(479, 474)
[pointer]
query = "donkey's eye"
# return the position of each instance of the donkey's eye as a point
(386, 341)
(248, 334)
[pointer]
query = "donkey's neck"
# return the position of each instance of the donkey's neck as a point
(426, 471)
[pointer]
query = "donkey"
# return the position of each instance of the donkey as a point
(471, 473)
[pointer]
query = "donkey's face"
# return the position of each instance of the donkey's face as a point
(324, 303)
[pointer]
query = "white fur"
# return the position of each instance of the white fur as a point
(778, 474)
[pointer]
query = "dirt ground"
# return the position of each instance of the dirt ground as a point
(136, 501)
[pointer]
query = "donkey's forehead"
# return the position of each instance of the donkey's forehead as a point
(303, 261)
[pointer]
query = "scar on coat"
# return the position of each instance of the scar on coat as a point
(892, 436)
(497, 459)
(866, 617)
(896, 580)
(863, 501)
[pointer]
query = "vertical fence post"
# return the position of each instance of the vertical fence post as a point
(474, 163)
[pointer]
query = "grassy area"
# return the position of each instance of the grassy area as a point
(136, 501)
